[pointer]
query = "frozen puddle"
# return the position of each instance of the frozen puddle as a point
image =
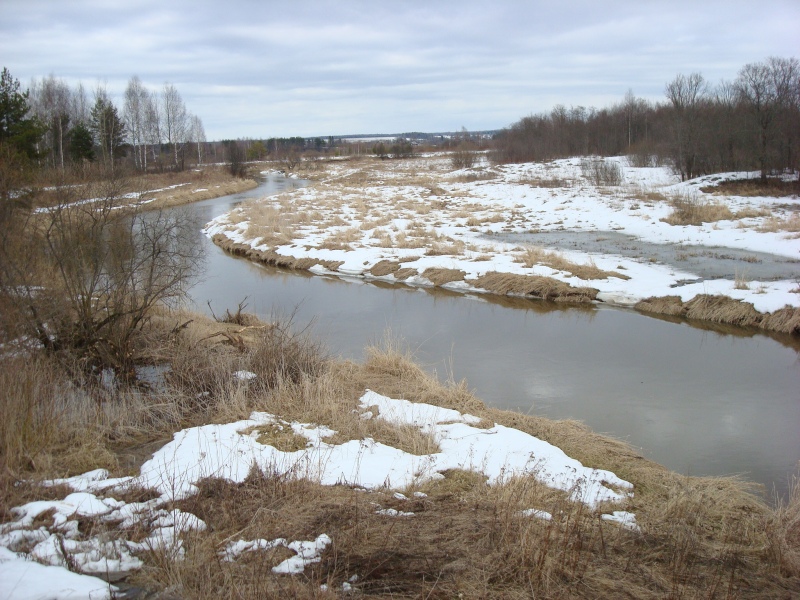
(706, 262)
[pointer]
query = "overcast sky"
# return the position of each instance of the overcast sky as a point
(264, 68)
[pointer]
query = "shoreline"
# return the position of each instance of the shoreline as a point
(717, 309)
(419, 223)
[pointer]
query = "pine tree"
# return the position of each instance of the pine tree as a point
(16, 129)
(81, 143)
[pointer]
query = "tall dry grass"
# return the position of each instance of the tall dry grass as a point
(699, 537)
(691, 209)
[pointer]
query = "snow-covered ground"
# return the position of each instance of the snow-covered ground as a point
(44, 539)
(424, 215)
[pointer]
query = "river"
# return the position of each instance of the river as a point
(697, 401)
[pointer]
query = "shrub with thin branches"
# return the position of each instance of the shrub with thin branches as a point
(602, 172)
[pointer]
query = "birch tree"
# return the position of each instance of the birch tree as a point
(136, 97)
(174, 119)
(152, 125)
(198, 136)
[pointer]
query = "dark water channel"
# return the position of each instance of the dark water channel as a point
(700, 402)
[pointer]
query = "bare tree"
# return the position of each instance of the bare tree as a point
(108, 128)
(50, 101)
(136, 97)
(174, 119)
(198, 135)
(152, 125)
(687, 95)
(79, 105)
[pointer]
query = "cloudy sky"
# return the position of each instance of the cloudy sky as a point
(296, 67)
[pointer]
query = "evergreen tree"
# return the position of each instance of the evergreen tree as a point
(16, 129)
(81, 143)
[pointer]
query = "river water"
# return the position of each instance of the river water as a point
(700, 402)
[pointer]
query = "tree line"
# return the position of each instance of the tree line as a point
(58, 126)
(750, 123)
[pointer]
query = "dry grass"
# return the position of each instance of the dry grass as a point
(384, 267)
(446, 247)
(753, 187)
(691, 209)
(722, 309)
(186, 186)
(700, 537)
(790, 224)
(544, 288)
(534, 255)
(440, 276)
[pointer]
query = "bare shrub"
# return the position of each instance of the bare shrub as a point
(462, 159)
(83, 277)
(602, 172)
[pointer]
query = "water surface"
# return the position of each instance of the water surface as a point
(698, 401)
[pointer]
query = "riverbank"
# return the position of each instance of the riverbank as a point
(418, 222)
(291, 473)
(151, 190)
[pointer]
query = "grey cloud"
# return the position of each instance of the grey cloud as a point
(308, 68)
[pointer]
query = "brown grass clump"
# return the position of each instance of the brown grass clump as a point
(690, 209)
(405, 273)
(440, 276)
(446, 248)
(544, 288)
(663, 305)
(722, 309)
(384, 267)
(785, 320)
(785, 526)
(789, 224)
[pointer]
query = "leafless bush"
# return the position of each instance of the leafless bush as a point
(601, 172)
(83, 277)
(462, 159)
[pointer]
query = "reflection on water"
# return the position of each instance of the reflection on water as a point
(701, 402)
